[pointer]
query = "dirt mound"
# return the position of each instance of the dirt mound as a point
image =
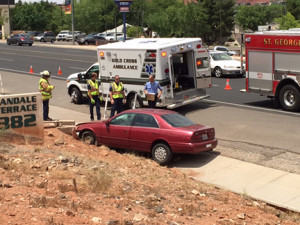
(65, 181)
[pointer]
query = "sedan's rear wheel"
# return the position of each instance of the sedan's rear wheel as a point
(88, 137)
(86, 43)
(218, 72)
(162, 154)
(52, 40)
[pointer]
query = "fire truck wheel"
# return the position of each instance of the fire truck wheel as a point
(218, 72)
(289, 98)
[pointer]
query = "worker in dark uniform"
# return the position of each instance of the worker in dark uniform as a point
(117, 96)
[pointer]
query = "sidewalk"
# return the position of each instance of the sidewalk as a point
(273, 186)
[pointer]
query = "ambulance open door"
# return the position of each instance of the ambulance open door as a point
(202, 69)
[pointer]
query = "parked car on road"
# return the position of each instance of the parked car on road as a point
(114, 36)
(77, 34)
(33, 33)
(20, 39)
(222, 64)
(157, 131)
(45, 37)
(90, 39)
(62, 35)
(224, 49)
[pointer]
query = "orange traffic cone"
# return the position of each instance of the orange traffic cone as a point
(59, 71)
(227, 87)
(31, 70)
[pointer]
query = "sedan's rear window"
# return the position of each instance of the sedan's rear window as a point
(177, 120)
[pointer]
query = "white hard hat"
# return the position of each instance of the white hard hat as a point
(46, 73)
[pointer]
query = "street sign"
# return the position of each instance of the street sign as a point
(124, 5)
(124, 8)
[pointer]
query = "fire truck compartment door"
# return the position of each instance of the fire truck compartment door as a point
(203, 74)
(260, 71)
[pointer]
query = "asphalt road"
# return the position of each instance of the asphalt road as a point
(46, 56)
(248, 126)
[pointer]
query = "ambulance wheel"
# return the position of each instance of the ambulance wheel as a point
(76, 95)
(138, 104)
(89, 138)
(218, 72)
(161, 153)
(289, 98)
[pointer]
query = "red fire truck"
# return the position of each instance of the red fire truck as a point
(273, 66)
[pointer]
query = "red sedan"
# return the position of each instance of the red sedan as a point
(161, 132)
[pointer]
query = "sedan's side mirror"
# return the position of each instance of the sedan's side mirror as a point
(107, 122)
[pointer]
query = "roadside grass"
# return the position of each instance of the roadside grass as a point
(98, 181)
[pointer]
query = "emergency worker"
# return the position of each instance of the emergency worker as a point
(94, 96)
(46, 89)
(117, 96)
(151, 91)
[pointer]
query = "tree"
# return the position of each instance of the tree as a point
(250, 17)
(293, 6)
(288, 21)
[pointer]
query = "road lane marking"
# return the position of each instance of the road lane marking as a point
(11, 60)
(72, 60)
(252, 107)
(77, 68)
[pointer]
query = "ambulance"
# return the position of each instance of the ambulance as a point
(273, 66)
(180, 65)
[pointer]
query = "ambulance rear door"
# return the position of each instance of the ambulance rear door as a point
(202, 68)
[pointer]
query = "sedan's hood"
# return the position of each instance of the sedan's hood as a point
(223, 63)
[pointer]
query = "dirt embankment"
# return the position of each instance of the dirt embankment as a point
(65, 181)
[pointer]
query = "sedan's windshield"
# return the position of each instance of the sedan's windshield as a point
(177, 120)
(220, 56)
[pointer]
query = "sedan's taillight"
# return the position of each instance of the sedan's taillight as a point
(203, 135)
(22, 39)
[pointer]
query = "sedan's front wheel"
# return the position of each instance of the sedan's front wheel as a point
(218, 72)
(162, 154)
(89, 138)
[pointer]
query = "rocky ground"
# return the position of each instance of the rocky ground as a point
(64, 181)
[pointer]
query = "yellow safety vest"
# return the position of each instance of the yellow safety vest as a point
(94, 87)
(117, 90)
(46, 92)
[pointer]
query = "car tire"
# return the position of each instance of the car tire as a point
(130, 102)
(289, 98)
(52, 40)
(89, 137)
(42, 40)
(86, 43)
(162, 154)
(76, 95)
(218, 72)
(30, 44)
(18, 43)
